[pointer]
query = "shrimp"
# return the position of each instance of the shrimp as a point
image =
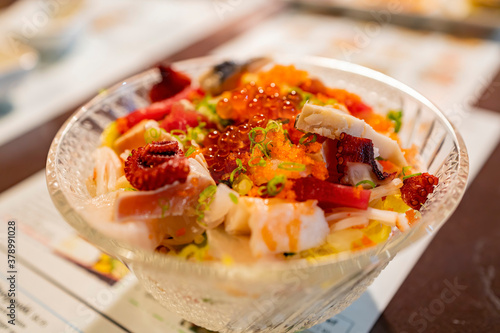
(278, 226)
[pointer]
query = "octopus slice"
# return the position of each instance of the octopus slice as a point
(350, 159)
(155, 165)
(415, 190)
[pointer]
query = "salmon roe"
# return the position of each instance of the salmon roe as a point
(249, 106)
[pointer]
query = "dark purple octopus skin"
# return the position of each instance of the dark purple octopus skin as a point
(356, 150)
(156, 165)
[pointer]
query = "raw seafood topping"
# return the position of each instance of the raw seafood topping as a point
(155, 165)
(416, 188)
(255, 163)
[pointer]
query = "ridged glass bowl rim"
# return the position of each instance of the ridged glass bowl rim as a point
(172, 263)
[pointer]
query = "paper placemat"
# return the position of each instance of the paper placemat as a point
(119, 38)
(56, 267)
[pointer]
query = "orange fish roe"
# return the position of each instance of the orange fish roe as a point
(343, 96)
(281, 149)
(389, 167)
(411, 155)
(364, 242)
(379, 123)
(286, 194)
(412, 217)
(357, 191)
(313, 148)
(279, 74)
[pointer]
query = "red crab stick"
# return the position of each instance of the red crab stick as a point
(156, 111)
(330, 195)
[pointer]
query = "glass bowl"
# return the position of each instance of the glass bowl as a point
(283, 296)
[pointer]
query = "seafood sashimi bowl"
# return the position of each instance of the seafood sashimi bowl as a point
(257, 194)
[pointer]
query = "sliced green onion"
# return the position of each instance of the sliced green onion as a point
(180, 135)
(397, 118)
(233, 198)
(190, 151)
(403, 172)
(276, 185)
(242, 184)
(291, 166)
(295, 122)
(331, 101)
(305, 95)
(305, 137)
(239, 168)
(267, 149)
(151, 135)
(130, 189)
(262, 162)
(369, 182)
(177, 132)
(253, 134)
(165, 206)
(412, 175)
(261, 148)
(204, 200)
(191, 134)
(262, 190)
(273, 125)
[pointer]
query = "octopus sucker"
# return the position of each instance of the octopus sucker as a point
(155, 165)
(351, 149)
(416, 189)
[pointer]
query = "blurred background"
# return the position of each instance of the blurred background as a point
(57, 54)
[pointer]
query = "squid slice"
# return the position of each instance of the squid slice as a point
(386, 190)
(107, 170)
(330, 122)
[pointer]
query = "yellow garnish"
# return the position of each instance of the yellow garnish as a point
(227, 260)
(393, 203)
(109, 135)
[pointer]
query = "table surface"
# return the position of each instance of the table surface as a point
(453, 287)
